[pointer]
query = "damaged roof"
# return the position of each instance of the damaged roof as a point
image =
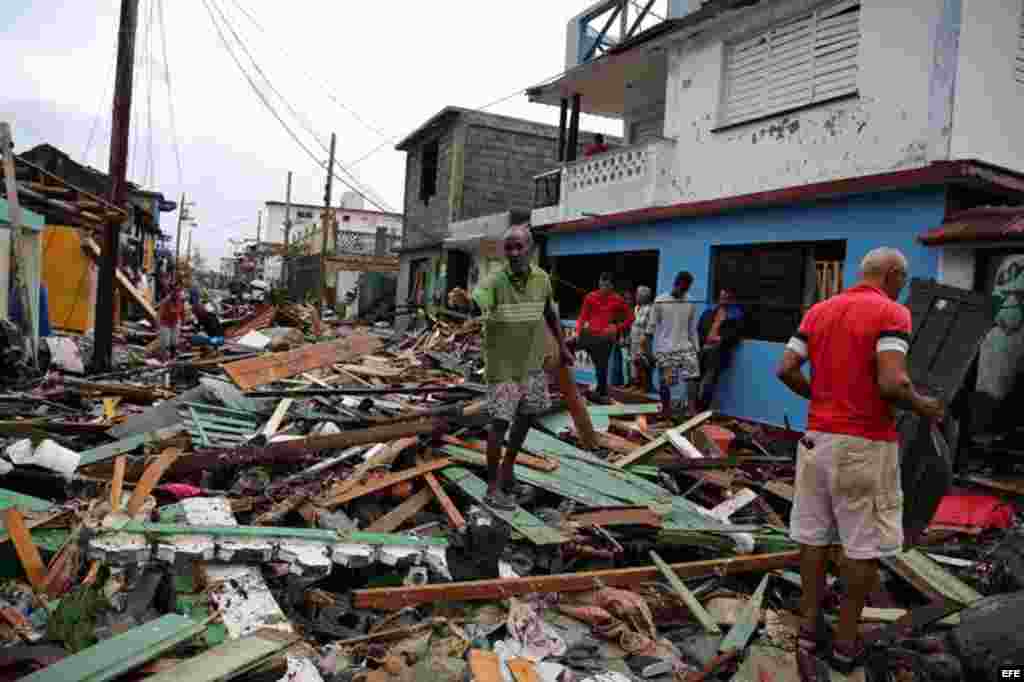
(981, 224)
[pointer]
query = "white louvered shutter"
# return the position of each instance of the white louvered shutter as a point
(809, 59)
(1019, 70)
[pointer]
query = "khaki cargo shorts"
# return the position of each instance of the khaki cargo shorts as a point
(848, 490)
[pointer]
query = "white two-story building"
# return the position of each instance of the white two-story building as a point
(771, 143)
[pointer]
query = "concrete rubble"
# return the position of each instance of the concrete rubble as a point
(305, 503)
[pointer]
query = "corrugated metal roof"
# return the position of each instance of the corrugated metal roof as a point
(982, 224)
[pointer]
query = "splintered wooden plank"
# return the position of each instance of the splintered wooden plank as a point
(384, 482)
(121, 653)
(696, 608)
(740, 633)
(538, 532)
(260, 319)
(150, 477)
(455, 517)
(105, 452)
(661, 441)
(257, 371)
(228, 659)
(402, 513)
(485, 666)
(522, 670)
(394, 598)
(26, 549)
(930, 578)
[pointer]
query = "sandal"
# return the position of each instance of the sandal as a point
(847, 660)
(500, 500)
(810, 665)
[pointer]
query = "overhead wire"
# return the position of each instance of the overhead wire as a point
(150, 174)
(369, 126)
(302, 120)
(104, 98)
(170, 92)
(360, 186)
(263, 98)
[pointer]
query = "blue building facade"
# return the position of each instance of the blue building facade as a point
(749, 389)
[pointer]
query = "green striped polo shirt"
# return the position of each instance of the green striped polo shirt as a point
(515, 335)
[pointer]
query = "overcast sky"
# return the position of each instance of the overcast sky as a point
(369, 71)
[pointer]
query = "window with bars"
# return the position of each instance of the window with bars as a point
(810, 59)
(1019, 66)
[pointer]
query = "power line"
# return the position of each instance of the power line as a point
(273, 111)
(100, 108)
(309, 77)
(170, 94)
(151, 166)
(302, 120)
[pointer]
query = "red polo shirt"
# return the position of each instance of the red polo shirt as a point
(840, 337)
(602, 310)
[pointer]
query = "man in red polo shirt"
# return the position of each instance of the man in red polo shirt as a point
(603, 316)
(847, 486)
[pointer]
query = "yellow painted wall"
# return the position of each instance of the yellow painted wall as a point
(70, 278)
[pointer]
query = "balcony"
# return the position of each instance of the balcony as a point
(623, 179)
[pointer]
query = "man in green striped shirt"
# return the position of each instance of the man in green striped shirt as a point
(518, 314)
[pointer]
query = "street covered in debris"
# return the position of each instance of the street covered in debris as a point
(699, 360)
(316, 511)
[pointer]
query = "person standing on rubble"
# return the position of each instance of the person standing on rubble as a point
(640, 339)
(172, 312)
(603, 316)
(847, 486)
(518, 314)
(673, 324)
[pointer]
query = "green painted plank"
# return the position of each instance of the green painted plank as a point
(121, 653)
(124, 445)
(623, 410)
(227, 660)
(212, 418)
(746, 623)
(565, 487)
(203, 440)
(213, 427)
(523, 521)
(204, 407)
(583, 478)
(696, 608)
(10, 498)
(938, 578)
(314, 534)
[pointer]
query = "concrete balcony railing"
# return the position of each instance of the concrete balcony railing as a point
(622, 179)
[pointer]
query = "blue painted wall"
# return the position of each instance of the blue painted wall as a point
(749, 388)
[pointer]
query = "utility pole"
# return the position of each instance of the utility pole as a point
(182, 217)
(118, 167)
(285, 271)
(326, 225)
(188, 250)
(259, 226)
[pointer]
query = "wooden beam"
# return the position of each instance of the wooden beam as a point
(931, 579)
(580, 416)
(274, 423)
(94, 250)
(647, 449)
(150, 477)
(402, 513)
(680, 588)
(27, 551)
(385, 482)
(395, 598)
(455, 517)
(268, 368)
(116, 486)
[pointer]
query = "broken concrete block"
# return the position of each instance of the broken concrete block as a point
(243, 599)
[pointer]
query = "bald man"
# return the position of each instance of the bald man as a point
(518, 315)
(847, 486)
